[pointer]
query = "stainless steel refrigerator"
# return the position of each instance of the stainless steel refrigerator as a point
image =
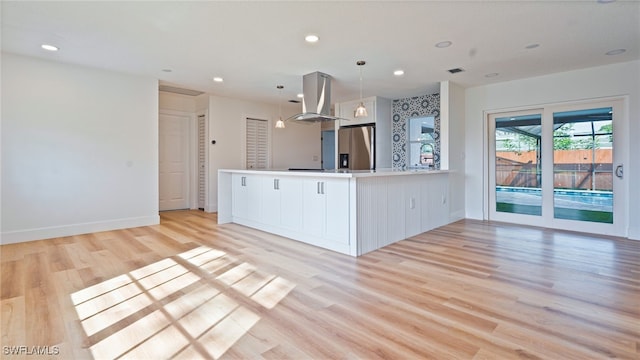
(356, 148)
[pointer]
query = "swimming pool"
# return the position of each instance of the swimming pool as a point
(571, 199)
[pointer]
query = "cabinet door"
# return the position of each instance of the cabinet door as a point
(291, 203)
(313, 217)
(270, 200)
(336, 193)
(252, 185)
(246, 196)
(240, 196)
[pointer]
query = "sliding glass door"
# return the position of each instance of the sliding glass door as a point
(558, 167)
(583, 165)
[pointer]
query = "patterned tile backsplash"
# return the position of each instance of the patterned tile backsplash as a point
(405, 109)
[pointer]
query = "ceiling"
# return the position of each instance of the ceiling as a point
(257, 45)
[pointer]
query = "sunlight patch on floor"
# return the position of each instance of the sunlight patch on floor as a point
(166, 310)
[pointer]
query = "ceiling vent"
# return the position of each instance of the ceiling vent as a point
(177, 90)
(455, 70)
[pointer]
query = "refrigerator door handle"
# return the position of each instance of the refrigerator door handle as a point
(372, 153)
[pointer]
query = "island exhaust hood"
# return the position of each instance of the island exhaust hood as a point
(316, 103)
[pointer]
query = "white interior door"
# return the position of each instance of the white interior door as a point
(174, 161)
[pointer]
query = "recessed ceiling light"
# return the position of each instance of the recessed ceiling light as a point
(491, 75)
(218, 79)
(398, 72)
(301, 95)
(616, 52)
(443, 44)
(311, 38)
(532, 46)
(49, 47)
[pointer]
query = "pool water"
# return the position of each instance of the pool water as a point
(574, 199)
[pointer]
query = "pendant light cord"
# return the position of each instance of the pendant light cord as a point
(280, 123)
(280, 87)
(360, 83)
(360, 64)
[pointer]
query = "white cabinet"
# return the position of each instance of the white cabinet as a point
(351, 213)
(326, 209)
(246, 197)
(379, 113)
(309, 209)
(282, 202)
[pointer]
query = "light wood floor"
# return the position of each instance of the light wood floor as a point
(189, 288)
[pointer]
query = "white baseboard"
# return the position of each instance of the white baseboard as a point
(18, 236)
(211, 208)
(456, 215)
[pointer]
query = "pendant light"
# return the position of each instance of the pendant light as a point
(360, 111)
(280, 123)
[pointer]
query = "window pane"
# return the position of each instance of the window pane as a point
(518, 166)
(421, 142)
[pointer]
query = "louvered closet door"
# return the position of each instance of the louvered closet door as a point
(201, 161)
(257, 144)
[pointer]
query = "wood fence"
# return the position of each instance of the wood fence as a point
(573, 169)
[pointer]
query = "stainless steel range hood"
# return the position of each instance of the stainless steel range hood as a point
(316, 104)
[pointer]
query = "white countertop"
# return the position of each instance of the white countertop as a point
(336, 173)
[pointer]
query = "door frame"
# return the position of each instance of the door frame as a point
(620, 157)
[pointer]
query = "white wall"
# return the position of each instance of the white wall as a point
(598, 82)
(79, 150)
(177, 102)
(452, 131)
(296, 145)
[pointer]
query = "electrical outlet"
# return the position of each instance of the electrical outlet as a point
(315, 158)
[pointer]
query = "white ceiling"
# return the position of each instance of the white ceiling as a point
(257, 45)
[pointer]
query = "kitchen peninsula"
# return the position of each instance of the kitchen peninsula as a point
(351, 212)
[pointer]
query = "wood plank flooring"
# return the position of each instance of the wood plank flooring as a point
(189, 288)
